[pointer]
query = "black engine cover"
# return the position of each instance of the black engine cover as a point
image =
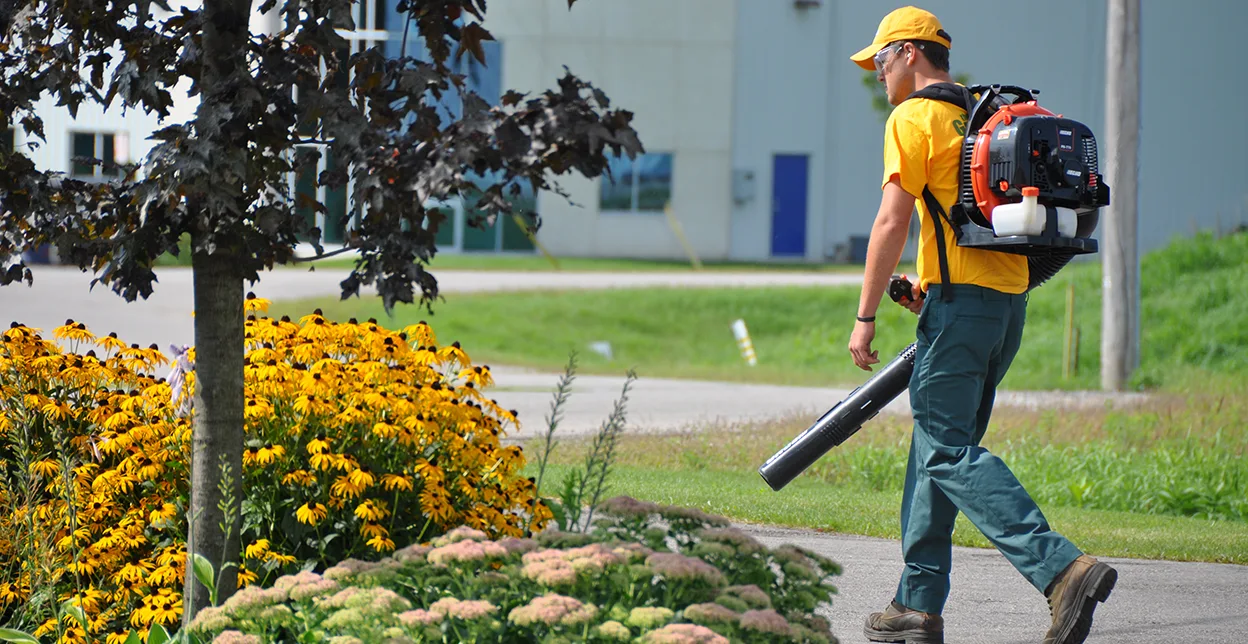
(1056, 155)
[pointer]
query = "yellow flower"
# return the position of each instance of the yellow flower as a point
(323, 461)
(164, 607)
(134, 572)
(73, 331)
(117, 638)
(165, 512)
(318, 445)
(299, 477)
(246, 577)
(257, 549)
(269, 453)
(311, 514)
(89, 600)
(393, 482)
(385, 430)
(362, 477)
(371, 510)
(110, 342)
(46, 468)
(381, 544)
(279, 558)
(253, 303)
(345, 487)
(257, 408)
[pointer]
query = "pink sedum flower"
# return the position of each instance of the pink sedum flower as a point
(419, 617)
(462, 609)
(461, 533)
(766, 621)
(710, 613)
(677, 566)
(466, 551)
(684, 634)
(414, 552)
(235, 637)
(551, 609)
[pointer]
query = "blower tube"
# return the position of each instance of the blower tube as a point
(840, 422)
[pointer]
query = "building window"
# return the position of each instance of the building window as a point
(643, 184)
(88, 148)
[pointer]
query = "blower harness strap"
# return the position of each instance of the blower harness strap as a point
(960, 96)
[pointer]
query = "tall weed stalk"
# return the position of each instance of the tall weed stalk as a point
(582, 489)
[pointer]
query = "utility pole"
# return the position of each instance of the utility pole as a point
(1120, 315)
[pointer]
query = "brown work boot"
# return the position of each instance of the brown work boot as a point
(1073, 597)
(900, 624)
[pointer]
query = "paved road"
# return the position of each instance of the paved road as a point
(990, 603)
(655, 404)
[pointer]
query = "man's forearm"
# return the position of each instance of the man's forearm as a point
(888, 239)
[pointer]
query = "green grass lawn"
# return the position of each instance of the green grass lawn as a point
(1192, 326)
(1165, 481)
(805, 503)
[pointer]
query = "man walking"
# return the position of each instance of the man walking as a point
(967, 337)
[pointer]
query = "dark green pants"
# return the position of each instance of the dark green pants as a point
(964, 349)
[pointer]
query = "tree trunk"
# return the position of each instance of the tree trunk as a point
(217, 438)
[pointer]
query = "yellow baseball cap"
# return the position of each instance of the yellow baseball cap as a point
(906, 23)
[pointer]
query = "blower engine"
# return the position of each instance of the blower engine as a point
(1013, 144)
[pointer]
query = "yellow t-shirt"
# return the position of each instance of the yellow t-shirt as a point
(922, 147)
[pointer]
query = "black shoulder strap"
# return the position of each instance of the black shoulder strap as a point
(953, 93)
(962, 97)
(938, 213)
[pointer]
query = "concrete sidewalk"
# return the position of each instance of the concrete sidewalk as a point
(1154, 602)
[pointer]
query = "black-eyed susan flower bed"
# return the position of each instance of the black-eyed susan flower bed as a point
(357, 437)
(646, 573)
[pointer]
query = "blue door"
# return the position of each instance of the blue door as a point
(788, 204)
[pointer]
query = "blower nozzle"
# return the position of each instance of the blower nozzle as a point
(848, 416)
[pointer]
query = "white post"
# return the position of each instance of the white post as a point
(743, 341)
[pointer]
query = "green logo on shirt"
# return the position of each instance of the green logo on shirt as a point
(959, 125)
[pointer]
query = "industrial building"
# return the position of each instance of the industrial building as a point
(760, 134)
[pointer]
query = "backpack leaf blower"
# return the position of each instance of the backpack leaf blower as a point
(1043, 168)
(849, 415)
(1022, 156)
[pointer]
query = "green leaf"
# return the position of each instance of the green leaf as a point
(203, 571)
(134, 638)
(158, 634)
(77, 612)
(12, 635)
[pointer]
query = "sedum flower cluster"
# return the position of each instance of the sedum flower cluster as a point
(357, 436)
(465, 586)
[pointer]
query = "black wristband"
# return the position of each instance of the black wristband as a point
(869, 319)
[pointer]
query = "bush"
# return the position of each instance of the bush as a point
(690, 577)
(357, 437)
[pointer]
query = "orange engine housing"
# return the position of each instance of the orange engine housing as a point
(986, 199)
